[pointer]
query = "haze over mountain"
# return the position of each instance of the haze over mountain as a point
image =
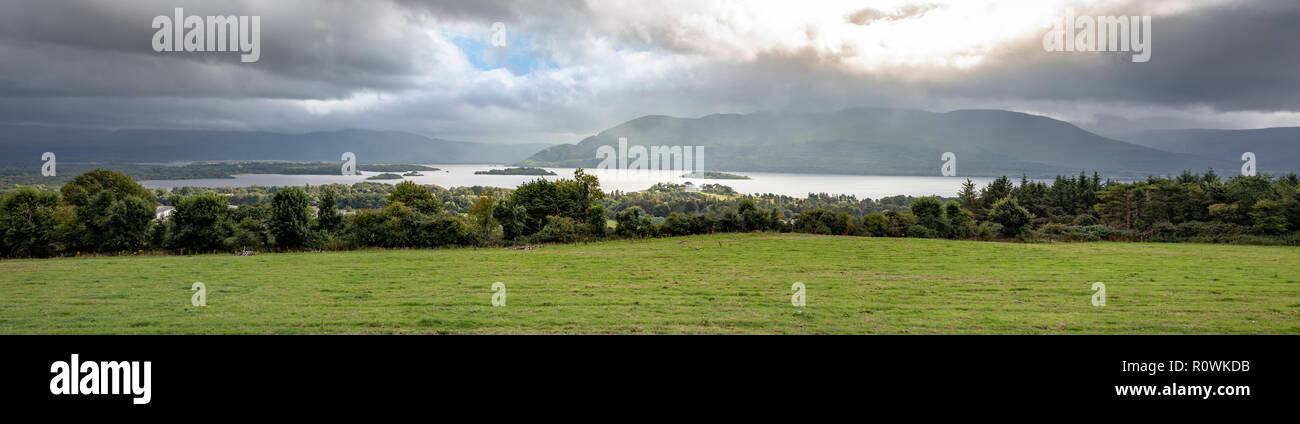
(1277, 150)
(21, 143)
(871, 141)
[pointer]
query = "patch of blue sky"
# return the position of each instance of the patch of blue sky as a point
(516, 56)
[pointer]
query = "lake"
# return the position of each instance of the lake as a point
(796, 185)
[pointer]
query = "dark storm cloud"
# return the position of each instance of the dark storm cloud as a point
(1240, 56)
(309, 50)
(405, 65)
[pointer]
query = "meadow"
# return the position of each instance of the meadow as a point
(714, 284)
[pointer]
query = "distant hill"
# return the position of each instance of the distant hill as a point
(79, 145)
(1277, 150)
(887, 142)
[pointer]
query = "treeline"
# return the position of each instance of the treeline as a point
(105, 211)
(361, 195)
(663, 199)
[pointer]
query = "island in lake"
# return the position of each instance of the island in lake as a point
(515, 171)
(385, 176)
(413, 174)
(714, 175)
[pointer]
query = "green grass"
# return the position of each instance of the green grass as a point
(729, 283)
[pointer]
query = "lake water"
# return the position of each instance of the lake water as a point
(796, 185)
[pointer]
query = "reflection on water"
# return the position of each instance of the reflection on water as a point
(797, 185)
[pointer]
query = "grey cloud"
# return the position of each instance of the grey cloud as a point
(1230, 58)
(309, 50)
(91, 64)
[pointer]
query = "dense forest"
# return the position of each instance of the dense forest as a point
(106, 212)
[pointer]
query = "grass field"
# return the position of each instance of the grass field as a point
(729, 283)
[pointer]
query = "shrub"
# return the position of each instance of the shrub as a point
(676, 225)
(1054, 229)
(920, 231)
(1091, 233)
(875, 224)
(558, 229)
(1086, 220)
(440, 230)
(629, 222)
(1010, 215)
(961, 222)
(988, 230)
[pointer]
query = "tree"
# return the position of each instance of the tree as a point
(676, 225)
(480, 214)
(28, 223)
(1010, 215)
(329, 219)
(875, 224)
(512, 219)
(542, 198)
(199, 224)
(899, 222)
(994, 191)
(415, 196)
(929, 213)
(969, 196)
(539, 198)
(1269, 217)
(250, 228)
(290, 222)
(596, 221)
(1119, 205)
(112, 212)
(629, 222)
(753, 218)
(961, 221)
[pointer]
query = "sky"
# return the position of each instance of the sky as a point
(568, 69)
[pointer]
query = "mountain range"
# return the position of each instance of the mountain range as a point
(859, 141)
(870, 141)
(1277, 150)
